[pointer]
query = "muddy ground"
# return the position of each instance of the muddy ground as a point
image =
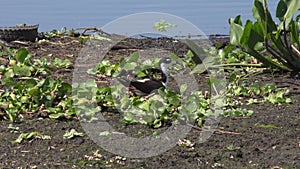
(238, 142)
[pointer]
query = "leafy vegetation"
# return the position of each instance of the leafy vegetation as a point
(30, 136)
(25, 93)
(281, 41)
(27, 88)
(168, 105)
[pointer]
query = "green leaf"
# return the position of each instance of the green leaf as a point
(261, 13)
(197, 50)
(288, 8)
(25, 136)
(183, 88)
(90, 83)
(34, 92)
(174, 101)
(209, 61)
(72, 133)
(281, 10)
(191, 107)
(22, 70)
(245, 38)
(9, 81)
(236, 31)
(250, 37)
(294, 27)
(133, 58)
(130, 66)
(9, 73)
(30, 83)
(22, 54)
(56, 115)
(145, 105)
(65, 89)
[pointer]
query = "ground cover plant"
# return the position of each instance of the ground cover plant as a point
(28, 89)
(244, 98)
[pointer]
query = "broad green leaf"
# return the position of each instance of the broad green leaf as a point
(22, 70)
(9, 81)
(207, 62)
(30, 83)
(174, 101)
(245, 38)
(200, 68)
(264, 60)
(9, 73)
(65, 88)
(238, 20)
(255, 12)
(261, 13)
(133, 58)
(250, 37)
(196, 49)
(259, 29)
(130, 66)
(288, 8)
(236, 31)
(281, 10)
(22, 54)
(34, 92)
(145, 105)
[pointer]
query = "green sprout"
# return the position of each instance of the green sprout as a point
(162, 26)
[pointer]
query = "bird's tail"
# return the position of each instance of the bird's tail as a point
(124, 80)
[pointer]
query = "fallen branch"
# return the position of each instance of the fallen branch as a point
(91, 29)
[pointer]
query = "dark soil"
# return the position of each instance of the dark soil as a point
(239, 142)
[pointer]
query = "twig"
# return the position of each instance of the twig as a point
(91, 29)
(214, 130)
(226, 132)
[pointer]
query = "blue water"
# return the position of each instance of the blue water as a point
(211, 16)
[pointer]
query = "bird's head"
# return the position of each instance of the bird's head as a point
(164, 64)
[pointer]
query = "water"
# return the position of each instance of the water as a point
(211, 16)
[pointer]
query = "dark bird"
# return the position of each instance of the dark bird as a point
(155, 78)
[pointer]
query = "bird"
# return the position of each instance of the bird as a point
(155, 78)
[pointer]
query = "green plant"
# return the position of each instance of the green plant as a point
(167, 105)
(26, 94)
(84, 97)
(62, 63)
(55, 32)
(31, 95)
(154, 111)
(30, 136)
(72, 133)
(282, 41)
(162, 25)
(227, 58)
